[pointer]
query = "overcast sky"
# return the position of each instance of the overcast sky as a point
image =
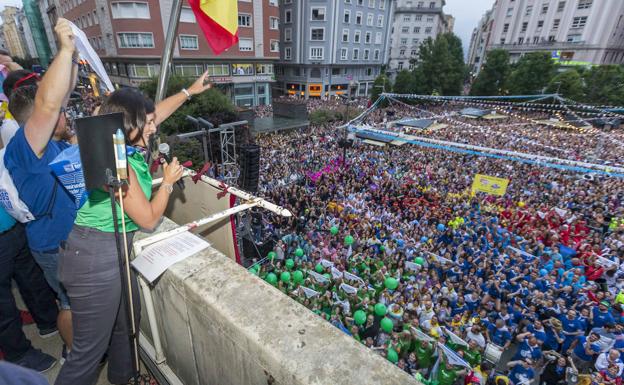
(466, 12)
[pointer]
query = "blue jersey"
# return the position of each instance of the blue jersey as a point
(527, 351)
(602, 318)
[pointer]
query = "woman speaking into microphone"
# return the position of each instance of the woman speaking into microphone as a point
(89, 268)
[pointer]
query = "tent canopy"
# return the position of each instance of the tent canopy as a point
(415, 123)
(474, 112)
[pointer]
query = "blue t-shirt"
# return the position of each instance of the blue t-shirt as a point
(579, 349)
(571, 326)
(499, 336)
(519, 375)
(601, 319)
(527, 351)
(53, 207)
(6, 221)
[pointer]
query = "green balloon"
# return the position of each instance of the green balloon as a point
(348, 240)
(271, 278)
(271, 255)
(334, 230)
(285, 277)
(298, 276)
(253, 271)
(391, 283)
(393, 356)
(380, 309)
(290, 263)
(419, 261)
(382, 248)
(328, 276)
(319, 268)
(299, 252)
(359, 317)
(386, 325)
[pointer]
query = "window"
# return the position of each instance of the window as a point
(287, 53)
(380, 21)
(189, 69)
(130, 10)
(274, 22)
(218, 69)
(415, 41)
(288, 34)
(347, 1)
(288, 16)
(273, 3)
(509, 12)
(584, 4)
(358, 18)
(370, 19)
(556, 23)
(344, 54)
(407, 18)
(416, 29)
(335, 71)
(418, 18)
(242, 69)
(187, 15)
(428, 30)
(400, 65)
(378, 38)
(382, 4)
(264, 69)
(345, 35)
(544, 9)
(366, 54)
(371, 3)
(432, 4)
(574, 38)
(317, 34)
(360, 2)
(520, 40)
(318, 14)
(245, 44)
(561, 6)
(367, 38)
(356, 37)
(356, 54)
(143, 70)
(536, 39)
(376, 55)
(402, 52)
(274, 45)
(405, 30)
(316, 53)
(135, 40)
(347, 17)
(421, 4)
(403, 41)
(529, 10)
(244, 20)
(189, 42)
(525, 25)
(414, 52)
(551, 38)
(429, 19)
(579, 22)
(506, 28)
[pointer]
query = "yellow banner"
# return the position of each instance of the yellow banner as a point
(490, 185)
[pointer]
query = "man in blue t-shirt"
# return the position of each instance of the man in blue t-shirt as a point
(522, 372)
(572, 328)
(499, 334)
(601, 316)
(528, 348)
(584, 351)
(42, 136)
(16, 263)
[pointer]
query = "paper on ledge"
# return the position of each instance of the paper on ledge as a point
(157, 258)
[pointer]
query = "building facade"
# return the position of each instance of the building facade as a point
(129, 36)
(26, 32)
(332, 47)
(36, 31)
(413, 22)
(575, 32)
(479, 41)
(13, 35)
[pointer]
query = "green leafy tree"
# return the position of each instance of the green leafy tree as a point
(381, 82)
(532, 74)
(322, 116)
(568, 84)
(404, 83)
(493, 76)
(440, 67)
(605, 85)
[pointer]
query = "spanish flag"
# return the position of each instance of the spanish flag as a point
(218, 19)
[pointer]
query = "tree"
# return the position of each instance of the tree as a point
(404, 83)
(605, 85)
(569, 84)
(493, 76)
(440, 67)
(532, 74)
(380, 84)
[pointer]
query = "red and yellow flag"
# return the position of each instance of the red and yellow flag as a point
(218, 19)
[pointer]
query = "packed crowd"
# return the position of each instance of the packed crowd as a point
(392, 248)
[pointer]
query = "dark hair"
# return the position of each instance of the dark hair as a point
(134, 106)
(14, 77)
(21, 103)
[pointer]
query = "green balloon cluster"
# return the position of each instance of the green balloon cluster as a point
(285, 277)
(271, 278)
(290, 263)
(348, 240)
(380, 309)
(386, 325)
(299, 252)
(334, 230)
(298, 277)
(359, 317)
(391, 283)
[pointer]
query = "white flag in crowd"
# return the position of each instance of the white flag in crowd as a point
(326, 263)
(309, 293)
(336, 274)
(348, 288)
(317, 276)
(88, 53)
(454, 337)
(453, 358)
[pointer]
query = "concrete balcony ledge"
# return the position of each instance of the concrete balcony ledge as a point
(221, 325)
(418, 10)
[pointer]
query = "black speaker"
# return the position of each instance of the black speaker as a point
(249, 165)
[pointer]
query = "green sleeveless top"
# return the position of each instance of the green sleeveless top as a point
(96, 212)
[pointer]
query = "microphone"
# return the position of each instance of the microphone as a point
(163, 149)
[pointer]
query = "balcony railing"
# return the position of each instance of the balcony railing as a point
(546, 45)
(418, 10)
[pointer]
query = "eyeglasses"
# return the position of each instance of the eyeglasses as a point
(32, 75)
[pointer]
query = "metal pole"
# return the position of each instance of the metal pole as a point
(165, 61)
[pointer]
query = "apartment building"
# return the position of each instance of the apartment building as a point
(479, 41)
(13, 34)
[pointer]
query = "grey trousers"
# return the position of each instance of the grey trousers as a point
(89, 270)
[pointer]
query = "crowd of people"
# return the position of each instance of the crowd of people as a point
(391, 246)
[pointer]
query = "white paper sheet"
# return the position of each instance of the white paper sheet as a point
(88, 53)
(157, 258)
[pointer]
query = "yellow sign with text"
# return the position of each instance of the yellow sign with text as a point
(490, 185)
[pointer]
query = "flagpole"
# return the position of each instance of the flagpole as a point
(165, 61)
